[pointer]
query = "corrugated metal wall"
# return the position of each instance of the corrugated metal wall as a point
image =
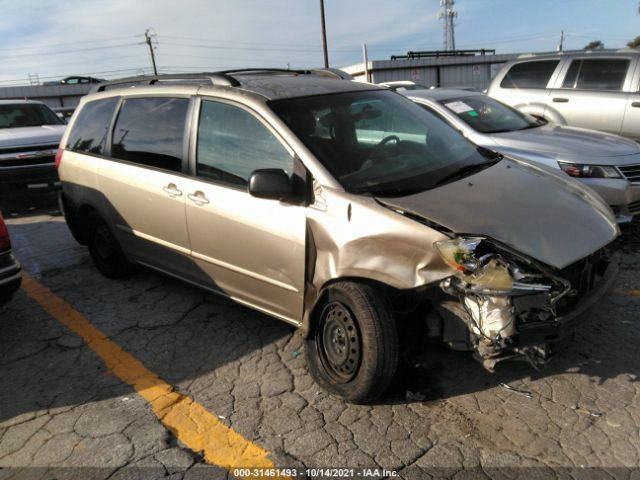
(462, 71)
(52, 95)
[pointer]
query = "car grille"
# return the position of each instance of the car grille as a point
(18, 157)
(634, 208)
(30, 148)
(27, 162)
(631, 172)
(583, 276)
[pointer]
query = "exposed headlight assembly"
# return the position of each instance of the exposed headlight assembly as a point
(487, 271)
(589, 171)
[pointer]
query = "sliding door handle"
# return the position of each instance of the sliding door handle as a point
(560, 100)
(172, 190)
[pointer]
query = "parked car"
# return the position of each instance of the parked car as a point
(589, 89)
(608, 163)
(10, 269)
(76, 80)
(29, 136)
(400, 85)
(64, 113)
(339, 207)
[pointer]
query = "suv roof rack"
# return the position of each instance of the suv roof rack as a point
(216, 78)
(582, 51)
(223, 78)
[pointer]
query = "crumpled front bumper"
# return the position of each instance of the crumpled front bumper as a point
(538, 333)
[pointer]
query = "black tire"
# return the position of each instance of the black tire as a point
(357, 316)
(105, 249)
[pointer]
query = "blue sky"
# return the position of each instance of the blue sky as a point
(104, 37)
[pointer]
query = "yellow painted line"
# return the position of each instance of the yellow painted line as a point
(192, 424)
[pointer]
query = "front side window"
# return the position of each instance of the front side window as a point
(90, 129)
(27, 115)
(529, 74)
(602, 74)
(377, 142)
(232, 143)
(150, 131)
(487, 115)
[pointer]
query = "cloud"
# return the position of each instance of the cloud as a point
(35, 35)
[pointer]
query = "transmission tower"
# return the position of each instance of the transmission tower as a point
(448, 14)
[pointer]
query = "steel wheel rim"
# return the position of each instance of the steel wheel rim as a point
(338, 342)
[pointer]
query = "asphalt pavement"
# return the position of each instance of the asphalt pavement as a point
(70, 406)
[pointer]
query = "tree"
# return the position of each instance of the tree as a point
(635, 43)
(595, 45)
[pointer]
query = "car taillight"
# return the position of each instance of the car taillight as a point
(59, 157)
(5, 243)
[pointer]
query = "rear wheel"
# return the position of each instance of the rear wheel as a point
(105, 249)
(352, 351)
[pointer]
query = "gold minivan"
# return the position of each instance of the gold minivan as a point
(339, 207)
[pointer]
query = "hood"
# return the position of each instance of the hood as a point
(573, 144)
(25, 136)
(547, 216)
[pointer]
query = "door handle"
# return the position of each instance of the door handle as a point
(560, 100)
(635, 104)
(198, 198)
(172, 190)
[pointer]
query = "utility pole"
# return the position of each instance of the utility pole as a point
(147, 38)
(365, 57)
(448, 14)
(561, 40)
(324, 36)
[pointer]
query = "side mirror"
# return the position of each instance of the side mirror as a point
(271, 183)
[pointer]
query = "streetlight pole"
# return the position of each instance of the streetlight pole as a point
(324, 36)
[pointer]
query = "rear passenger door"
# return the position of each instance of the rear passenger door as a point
(252, 249)
(591, 93)
(524, 86)
(143, 182)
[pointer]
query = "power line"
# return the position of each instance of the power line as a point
(77, 50)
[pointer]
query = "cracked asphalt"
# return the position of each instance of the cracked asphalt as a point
(64, 414)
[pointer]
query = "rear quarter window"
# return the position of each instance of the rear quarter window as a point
(89, 131)
(529, 74)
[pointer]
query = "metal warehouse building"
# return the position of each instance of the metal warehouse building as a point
(458, 68)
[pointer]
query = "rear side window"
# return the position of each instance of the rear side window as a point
(232, 143)
(90, 129)
(602, 74)
(529, 74)
(150, 131)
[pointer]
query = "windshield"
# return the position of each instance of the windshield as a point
(27, 115)
(486, 115)
(378, 142)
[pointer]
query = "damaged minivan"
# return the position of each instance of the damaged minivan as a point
(341, 208)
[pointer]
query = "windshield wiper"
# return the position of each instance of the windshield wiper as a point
(465, 172)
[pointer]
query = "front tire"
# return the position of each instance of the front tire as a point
(105, 249)
(352, 351)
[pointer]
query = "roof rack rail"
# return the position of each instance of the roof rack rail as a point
(216, 78)
(222, 78)
(265, 70)
(579, 51)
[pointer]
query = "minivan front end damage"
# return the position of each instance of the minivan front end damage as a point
(513, 306)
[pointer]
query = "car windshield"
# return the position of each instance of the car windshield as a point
(27, 115)
(378, 142)
(486, 115)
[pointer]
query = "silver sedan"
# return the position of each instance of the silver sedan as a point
(608, 163)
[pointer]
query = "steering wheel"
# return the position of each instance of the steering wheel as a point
(382, 144)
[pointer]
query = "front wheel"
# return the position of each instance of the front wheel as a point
(352, 351)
